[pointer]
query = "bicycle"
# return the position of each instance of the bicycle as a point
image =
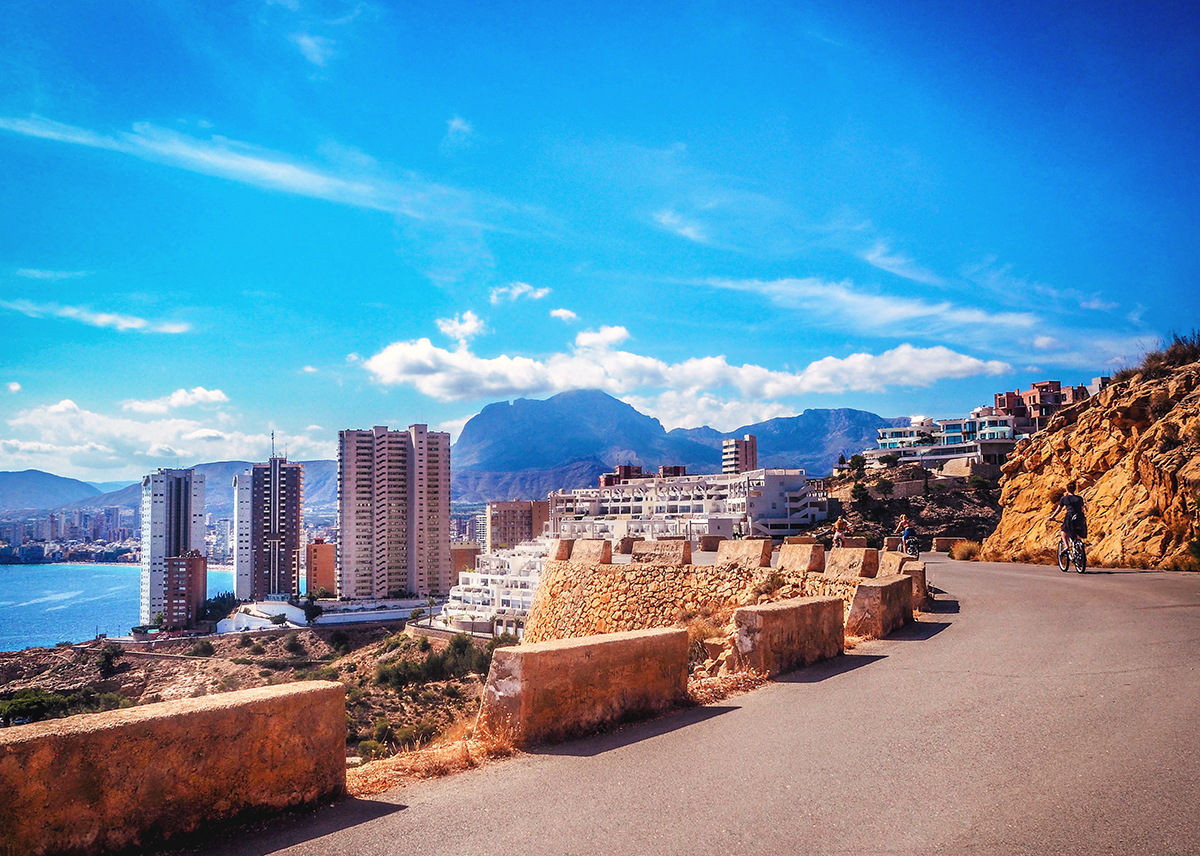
(909, 545)
(1073, 554)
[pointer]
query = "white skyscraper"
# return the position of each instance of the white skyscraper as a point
(172, 525)
(393, 512)
(242, 581)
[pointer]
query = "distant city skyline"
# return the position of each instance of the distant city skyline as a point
(302, 217)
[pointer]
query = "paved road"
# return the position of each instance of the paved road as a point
(1040, 712)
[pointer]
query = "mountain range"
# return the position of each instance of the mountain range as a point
(522, 449)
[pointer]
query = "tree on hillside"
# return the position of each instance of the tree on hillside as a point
(859, 494)
(859, 464)
(885, 487)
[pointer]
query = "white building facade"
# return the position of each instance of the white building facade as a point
(496, 597)
(985, 436)
(765, 502)
(242, 586)
(172, 525)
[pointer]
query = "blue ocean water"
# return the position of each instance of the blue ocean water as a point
(48, 604)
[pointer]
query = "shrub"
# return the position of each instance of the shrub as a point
(106, 662)
(244, 640)
(256, 648)
(216, 608)
(965, 551)
(981, 486)
(292, 644)
(885, 487)
(279, 619)
(369, 750)
(859, 493)
(203, 648)
(339, 641)
(1160, 407)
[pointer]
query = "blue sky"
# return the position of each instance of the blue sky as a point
(234, 218)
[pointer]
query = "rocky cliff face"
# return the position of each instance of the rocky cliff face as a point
(1135, 452)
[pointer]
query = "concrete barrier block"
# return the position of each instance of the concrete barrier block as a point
(800, 539)
(747, 554)
(710, 543)
(880, 606)
(592, 551)
(852, 562)
(891, 543)
(778, 637)
(625, 545)
(671, 553)
(892, 563)
(943, 545)
(802, 558)
(552, 691)
(920, 586)
(131, 778)
(848, 541)
(560, 550)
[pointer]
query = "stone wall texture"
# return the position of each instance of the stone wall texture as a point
(131, 778)
(891, 563)
(592, 551)
(744, 554)
(551, 691)
(662, 552)
(778, 637)
(1134, 451)
(560, 550)
(804, 558)
(880, 606)
(943, 545)
(852, 562)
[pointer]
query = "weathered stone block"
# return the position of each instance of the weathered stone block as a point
(130, 778)
(852, 562)
(560, 550)
(800, 539)
(892, 563)
(880, 606)
(625, 545)
(848, 541)
(709, 543)
(774, 638)
(672, 553)
(943, 545)
(551, 691)
(920, 586)
(746, 554)
(891, 543)
(802, 558)
(592, 551)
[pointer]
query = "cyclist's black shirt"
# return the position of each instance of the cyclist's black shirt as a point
(1073, 503)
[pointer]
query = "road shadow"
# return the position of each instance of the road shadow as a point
(629, 733)
(918, 631)
(942, 605)
(826, 669)
(266, 834)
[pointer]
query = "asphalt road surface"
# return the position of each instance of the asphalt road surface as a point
(1035, 712)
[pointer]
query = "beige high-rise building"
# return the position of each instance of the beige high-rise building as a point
(512, 523)
(393, 512)
(739, 456)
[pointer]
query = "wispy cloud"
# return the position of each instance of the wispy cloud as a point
(564, 315)
(53, 275)
(178, 398)
(882, 257)
(84, 315)
(461, 327)
(517, 290)
(13, 386)
(310, 370)
(673, 222)
(460, 134)
(316, 49)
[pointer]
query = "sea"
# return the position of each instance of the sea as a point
(42, 605)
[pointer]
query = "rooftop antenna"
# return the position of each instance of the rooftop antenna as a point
(272, 444)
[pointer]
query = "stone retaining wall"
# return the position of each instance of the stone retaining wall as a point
(592, 551)
(662, 552)
(778, 637)
(893, 562)
(803, 558)
(852, 562)
(551, 691)
(880, 606)
(745, 554)
(131, 778)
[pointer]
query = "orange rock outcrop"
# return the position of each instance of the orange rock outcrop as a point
(1134, 451)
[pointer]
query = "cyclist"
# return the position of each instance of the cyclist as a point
(1074, 525)
(839, 531)
(903, 529)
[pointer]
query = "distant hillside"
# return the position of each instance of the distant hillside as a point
(36, 489)
(527, 448)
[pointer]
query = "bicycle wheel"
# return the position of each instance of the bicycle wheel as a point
(1079, 557)
(912, 548)
(1064, 559)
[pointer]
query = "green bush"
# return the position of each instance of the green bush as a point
(292, 644)
(369, 750)
(256, 648)
(106, 662)
(203, 648)
(36, 704)
(244, 640)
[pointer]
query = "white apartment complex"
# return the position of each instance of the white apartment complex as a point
(762, 502)
(498, 594)
(985, 436)
(172, 525)
(393, 512)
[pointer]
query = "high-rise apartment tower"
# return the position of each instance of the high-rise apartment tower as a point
(172, 525)
(268, 521)
(739, 456)
(393, 512)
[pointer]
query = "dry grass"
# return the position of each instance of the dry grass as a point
(711, 690)
(458, 751)
(966, 551)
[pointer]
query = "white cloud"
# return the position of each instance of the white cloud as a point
(594, 364)
(1135, 315)
(1097, 302)
(84, 315)
(673, 222)
(517, 290)
(461, 327)
(53, 275)
(66, 439)
(352, 358)
(454, 426)
(458, 125)
(601, 339)
(316, 49)
(564, 314)
(178, 398)
(1044, 343)
(883, 258)
(685, 410)
(310, 369)
(13, 386)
